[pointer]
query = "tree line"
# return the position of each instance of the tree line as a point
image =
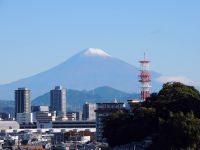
(170, 117)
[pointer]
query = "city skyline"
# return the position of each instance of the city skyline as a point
(99, 74)
(166, 31)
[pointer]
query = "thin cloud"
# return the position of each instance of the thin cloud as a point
(157, 31)
(182, 79)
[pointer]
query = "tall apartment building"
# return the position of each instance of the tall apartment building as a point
(89, 111)
(23, 106)
(105, 109)
(58, 101)
(22, 101)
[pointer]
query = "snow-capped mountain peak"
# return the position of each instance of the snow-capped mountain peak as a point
(86, 70)
(96, 52)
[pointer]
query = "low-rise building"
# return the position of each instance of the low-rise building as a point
(79, 115)
(9, 125)
(44, 119)
(79, 138)
(35, 109)
(132, 104)
(75, 115)
(71, 115)
(39, 108)
(38, 147)
(103, 110)
(4, 116)
(74, 124)
(24, 118)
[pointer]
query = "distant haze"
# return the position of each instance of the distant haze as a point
(88, 69)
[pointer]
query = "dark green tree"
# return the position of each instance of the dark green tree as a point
(170, 117)
(179, 132)
(175, 97)
(121, 128)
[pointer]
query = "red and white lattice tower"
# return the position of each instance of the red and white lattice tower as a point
(144, 79)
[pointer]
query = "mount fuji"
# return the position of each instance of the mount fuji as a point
(86, 70)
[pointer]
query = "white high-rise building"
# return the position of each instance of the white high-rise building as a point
(58, 101)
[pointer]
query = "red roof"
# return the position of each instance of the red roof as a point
(36, 147)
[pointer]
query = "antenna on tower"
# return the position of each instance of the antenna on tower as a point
(144, 78)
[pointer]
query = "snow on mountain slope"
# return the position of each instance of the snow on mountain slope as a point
(96, 52)
(88, 69)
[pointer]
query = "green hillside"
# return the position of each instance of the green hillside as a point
(109, 93)
(75, 98)
(7, 106)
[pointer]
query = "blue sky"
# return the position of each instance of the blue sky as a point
(36, 35)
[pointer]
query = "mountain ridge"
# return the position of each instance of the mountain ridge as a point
(76, 98)
(82, 72)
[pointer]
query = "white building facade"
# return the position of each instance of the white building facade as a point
(24, 118)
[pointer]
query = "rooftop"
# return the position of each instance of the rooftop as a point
(9, 125)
